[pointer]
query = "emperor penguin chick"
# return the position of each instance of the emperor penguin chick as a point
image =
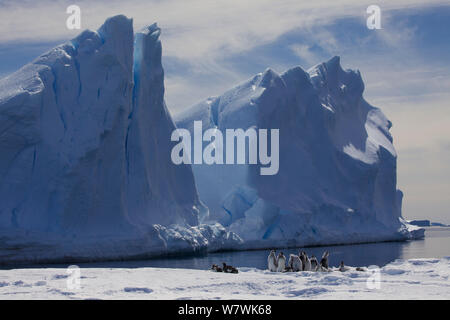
(314, 263)
(281, 261)
(272, 261)
(295, 264)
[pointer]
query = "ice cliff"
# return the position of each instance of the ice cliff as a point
(337, 176)
(85, 170)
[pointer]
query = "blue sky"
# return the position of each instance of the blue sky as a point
(210, 46)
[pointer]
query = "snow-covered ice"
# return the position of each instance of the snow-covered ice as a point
(401, 279)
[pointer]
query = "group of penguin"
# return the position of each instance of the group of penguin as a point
(300, 262)
(226, 268)
(296, 263)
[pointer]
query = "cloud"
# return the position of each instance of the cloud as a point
(304, 52)
(200, 27)
(201, 34)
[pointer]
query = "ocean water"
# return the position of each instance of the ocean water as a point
(436, 244)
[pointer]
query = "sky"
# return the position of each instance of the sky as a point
(210, 46)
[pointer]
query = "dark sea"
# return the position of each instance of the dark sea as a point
(436, 244)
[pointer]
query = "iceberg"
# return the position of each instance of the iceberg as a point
(85, 155)
(337, 173)
(86, 171)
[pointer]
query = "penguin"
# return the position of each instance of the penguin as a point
(361, 269)
(324, 261)
(295, 264)
(281, 261)
(227, 268)
(314, 263)
(216, 268)
(307, 262)
(288, 269)
(302, 258)
(272, 261)
(342, 267)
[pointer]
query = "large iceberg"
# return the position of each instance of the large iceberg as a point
(337, 165)
(85, 170)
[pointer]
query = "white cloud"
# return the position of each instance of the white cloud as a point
(199, 33)
(193, 28)
(304, 52)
